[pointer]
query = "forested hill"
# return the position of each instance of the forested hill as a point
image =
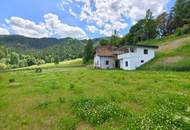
(19, 51)
(36, 43)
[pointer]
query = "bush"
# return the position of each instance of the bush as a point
(97, 111)
(184, 30)
(2, 66)
(67, 123)
(11, 80)
(38, 70)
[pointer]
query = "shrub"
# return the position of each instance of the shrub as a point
(67, 123)
(38, 70)
(184, 30)
(97, 111)
(11, 80)
(2, 66)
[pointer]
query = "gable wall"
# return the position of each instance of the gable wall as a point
(134, 59)
(100, 62)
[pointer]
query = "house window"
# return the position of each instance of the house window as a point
(127, 50)
(142, 61)
(107, 62)
(132, 50)
(145, 51)
(126, 64)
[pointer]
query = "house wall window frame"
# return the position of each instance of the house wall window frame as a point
(146, 51)
(107, 62)
(126, 64)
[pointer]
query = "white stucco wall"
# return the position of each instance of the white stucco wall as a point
(100, 62)
(97, 61)
(134, 59)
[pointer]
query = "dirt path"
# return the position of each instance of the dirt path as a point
(173, 44)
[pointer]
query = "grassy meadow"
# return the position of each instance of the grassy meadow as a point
(173, 54)
(82, 98)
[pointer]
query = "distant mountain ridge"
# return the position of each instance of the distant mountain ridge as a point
(36, 43)
(46, 48)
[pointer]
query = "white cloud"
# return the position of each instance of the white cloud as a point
(55, 26)
(112, 14)
(52, 27)
(4, 31)
(27, 28)
(92, 29)
(63, 3)
(72, 12)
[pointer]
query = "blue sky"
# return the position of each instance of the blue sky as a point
(74, 18)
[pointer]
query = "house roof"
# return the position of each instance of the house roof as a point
(107, 50)
(142, 45)
(110, 50)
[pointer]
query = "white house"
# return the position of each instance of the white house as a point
(128, 57)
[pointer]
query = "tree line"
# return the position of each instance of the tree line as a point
(14, 57)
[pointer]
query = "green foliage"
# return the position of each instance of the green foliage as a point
(182, 12)
(104, 42)
(67, 123)
(149, 26)
(144, 29)
(14, 58)
(97, 111)
(115, 40)
(67, 50)
(38, 70)
(183, 30)
(23, 63)
(56, 60)
(2, 66)
(31, 60)
(88, 52)
(22, 51)
(12, 80)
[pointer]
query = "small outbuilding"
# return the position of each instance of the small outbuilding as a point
(128, 57)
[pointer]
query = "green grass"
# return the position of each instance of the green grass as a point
(164, 40)
(177, 59)
(69, 63)
(71, 98)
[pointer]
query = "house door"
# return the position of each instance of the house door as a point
(117, 64)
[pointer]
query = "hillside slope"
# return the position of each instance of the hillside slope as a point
(173, 54)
